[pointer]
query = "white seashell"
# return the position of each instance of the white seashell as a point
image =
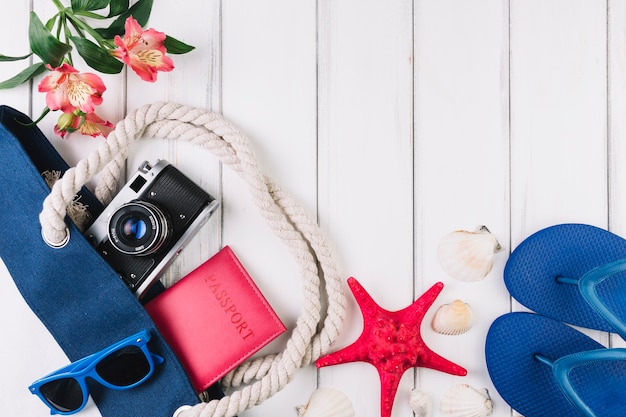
(327, 402)
(468, 256)
(420, 403)
(452, 319)
(463, 400)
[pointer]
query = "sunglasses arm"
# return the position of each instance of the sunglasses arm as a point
(158, 360)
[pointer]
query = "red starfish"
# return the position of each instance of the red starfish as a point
(392, 342)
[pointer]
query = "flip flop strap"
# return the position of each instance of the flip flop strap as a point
(562, 367)
(588, 283)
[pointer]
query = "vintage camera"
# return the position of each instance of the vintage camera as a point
(148, 222)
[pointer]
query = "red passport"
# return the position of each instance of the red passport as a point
(214, 318)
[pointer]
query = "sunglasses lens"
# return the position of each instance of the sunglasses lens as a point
(124, 367)
(63, 394)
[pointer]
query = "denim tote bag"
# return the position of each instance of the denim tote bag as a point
(81, 301)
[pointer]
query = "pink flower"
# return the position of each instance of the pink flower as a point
(86, 123)
(68, 90)
(142, 50)
(95, 125)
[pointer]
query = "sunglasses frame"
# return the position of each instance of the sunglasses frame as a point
(86, 368)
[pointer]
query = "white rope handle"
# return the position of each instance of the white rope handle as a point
(316, 328)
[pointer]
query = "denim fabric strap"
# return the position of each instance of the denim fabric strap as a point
(77, 296)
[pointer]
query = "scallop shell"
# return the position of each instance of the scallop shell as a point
(420, 403)
(463, 400)
(468, 256)
(327, 402)
(452, 319)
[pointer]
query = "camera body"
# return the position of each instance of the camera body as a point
(148, 223)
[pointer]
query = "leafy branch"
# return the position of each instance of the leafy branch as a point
(73, 33)
(106, 49)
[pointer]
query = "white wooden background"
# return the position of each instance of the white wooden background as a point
(394, 122)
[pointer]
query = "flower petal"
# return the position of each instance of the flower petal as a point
(94, 126)
(142, 50)
(152, 39)
(132, 29)
(68, 90)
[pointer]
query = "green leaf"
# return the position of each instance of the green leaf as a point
(91, 15)
(4, 58)
(140, 11)
(174, 46)
(118, 7)
(96, 57)
(26, 75)
(89, 5)
(50, 23)
(44, 45)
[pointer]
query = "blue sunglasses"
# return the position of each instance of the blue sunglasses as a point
(121, 366)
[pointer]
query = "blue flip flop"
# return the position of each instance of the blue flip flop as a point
(542, 367)
(573, 273)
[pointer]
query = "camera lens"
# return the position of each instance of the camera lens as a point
(134, 228)
(138, 228)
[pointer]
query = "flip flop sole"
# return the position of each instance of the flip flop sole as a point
(568, 250)
(528, 385)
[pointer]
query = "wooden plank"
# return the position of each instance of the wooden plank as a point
(558, 116)
(558, 121)
(269, 92)
(14, 26)
(461, 166)
(366, 171)
(193, 82)
(616, 123)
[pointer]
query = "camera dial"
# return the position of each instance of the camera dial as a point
(138, 228)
